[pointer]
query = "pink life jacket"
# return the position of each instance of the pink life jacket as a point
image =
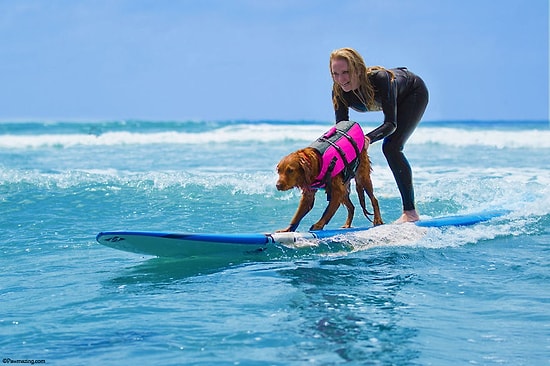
(340, 148)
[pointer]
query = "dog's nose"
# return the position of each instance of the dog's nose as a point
(279, 186)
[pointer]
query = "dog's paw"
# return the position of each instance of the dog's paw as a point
(316, 227)
(288, 229)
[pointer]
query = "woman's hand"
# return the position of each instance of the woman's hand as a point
(367, 142)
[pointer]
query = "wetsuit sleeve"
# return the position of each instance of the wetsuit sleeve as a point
(386, 93)
(342, 112)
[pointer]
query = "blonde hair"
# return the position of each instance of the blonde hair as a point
(356, 67)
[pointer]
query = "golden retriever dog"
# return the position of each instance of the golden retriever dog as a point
(309, 170)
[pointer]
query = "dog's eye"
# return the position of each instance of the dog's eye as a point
(289, 170)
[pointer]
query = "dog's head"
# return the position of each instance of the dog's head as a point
(297, 169)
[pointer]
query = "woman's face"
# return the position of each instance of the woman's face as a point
(341, 75)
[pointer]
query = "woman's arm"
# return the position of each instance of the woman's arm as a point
(342, 112)
(386, 93)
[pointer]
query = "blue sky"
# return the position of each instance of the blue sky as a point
(265, 59)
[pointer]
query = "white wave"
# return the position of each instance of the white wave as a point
(493, 138)
(464, 186)
(526, 194)
(112, 179)
(387, 235)
(238, 133)
(270, 133)
(409, 235)
(525, 189)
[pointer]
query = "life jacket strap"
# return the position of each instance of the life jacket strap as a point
(334, 146)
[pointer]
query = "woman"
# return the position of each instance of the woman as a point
(399, 94)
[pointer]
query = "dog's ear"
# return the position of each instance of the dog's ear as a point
(307, 167)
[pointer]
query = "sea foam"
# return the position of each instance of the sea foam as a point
(271, 133)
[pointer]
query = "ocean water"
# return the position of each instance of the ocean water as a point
(476, 295)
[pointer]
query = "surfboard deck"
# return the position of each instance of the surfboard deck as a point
(189, 245)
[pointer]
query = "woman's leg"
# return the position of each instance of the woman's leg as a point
(409, 113)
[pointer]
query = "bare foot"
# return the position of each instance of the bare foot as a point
(408, 216)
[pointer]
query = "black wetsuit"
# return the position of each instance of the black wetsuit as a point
(403, 102)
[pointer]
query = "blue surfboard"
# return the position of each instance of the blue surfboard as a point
(189, 245)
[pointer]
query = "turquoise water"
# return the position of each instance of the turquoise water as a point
(449, 296)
